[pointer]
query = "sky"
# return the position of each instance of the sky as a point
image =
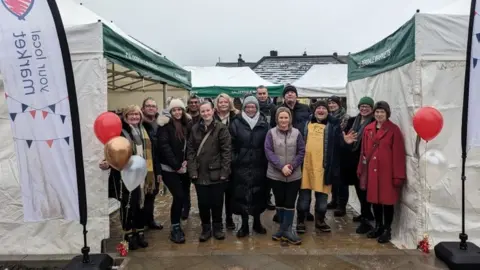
(200, 32)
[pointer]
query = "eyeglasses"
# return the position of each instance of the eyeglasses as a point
(150, 106)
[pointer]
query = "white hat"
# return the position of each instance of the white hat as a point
(176, 103)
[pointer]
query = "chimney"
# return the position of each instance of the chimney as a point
(335, 54)
(304, 53)
(273, 53)
(240, 60)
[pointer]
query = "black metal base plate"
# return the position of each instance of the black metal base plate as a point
(97, 262)
(457, 259)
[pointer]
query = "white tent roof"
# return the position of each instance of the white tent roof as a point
(323, 81)
(459, 7)
(227, 77)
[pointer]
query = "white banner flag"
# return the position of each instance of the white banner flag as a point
(37, 98)
(473, 127)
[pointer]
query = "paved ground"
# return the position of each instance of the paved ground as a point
(341, 249)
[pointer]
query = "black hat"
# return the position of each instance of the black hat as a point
(335, 99)
(383, 105)
(289, 88)
(319, 103)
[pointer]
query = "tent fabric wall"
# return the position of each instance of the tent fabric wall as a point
(323, 81)
(121, 99)
(60, 236)
(431, 198)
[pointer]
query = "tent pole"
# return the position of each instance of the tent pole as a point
(164, 90)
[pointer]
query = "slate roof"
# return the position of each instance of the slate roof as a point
(236, 64)
(287, 69)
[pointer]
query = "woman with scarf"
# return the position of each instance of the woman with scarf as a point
(225, 111)
(382, 169)
(208, 164)
(321, 166)
(172, 143)
(285, 150)
(132, 210)
(249, 166)
(340, 192)
(350, 158)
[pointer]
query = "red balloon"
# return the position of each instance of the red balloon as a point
(107, 126)
(428, 122)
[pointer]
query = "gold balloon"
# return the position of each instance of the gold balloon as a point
(118, 152)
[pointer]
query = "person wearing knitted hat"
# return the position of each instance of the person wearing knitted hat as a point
(300, 115)
(172, 137)
(249, 167)
(340, 192)
(350, 157)
(321, 167)
(382, 169)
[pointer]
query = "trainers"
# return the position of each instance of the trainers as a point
(218, 231)
(176, 235)
(323, 227)
(206, 233)
(301, 228)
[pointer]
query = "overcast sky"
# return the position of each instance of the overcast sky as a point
(199, 32)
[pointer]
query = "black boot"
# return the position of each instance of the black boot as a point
(218, 231)
(244, 229)
(341, 211)
(257, 225)
(155, 225)
(364, 226)
(301, 228)
(132, 240)
(141, 239)
(229, 223)
(376, 232)
(176, 234)
(385, 237)
(206, 233)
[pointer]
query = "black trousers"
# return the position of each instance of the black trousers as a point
(149, 204)
(365, 206)
(210, 202)
(131, 214)
(340, 194)
(179, 187)
(383, 215)
(285, 193)
(229, 199)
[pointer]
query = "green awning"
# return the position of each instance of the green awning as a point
(394, 51)
(145, 61)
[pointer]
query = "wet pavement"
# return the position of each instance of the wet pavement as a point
(340, 249)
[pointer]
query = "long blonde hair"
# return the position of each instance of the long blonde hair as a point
(230, 102)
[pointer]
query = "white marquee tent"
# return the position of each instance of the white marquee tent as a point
(234, 81)
(323, 81)
(423, 64)
(92, 41)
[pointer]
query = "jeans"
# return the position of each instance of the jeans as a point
(210, 202)
(285, 193)
(340, 194)
(179, 187)
(304, 201)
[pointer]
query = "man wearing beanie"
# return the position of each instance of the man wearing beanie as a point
(350, 157)
(300, 115)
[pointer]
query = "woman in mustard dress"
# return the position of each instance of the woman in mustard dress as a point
(321, 167)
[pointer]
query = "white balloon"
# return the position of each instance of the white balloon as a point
(134, 172)
(436, 165)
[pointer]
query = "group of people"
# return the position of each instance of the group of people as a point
(235, 158)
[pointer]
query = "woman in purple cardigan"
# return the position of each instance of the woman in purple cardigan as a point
(285, 149)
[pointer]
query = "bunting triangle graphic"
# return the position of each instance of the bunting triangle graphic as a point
(63, 118)
(475, 61)
(44, 114)
(50, 142)
(13, 115)
(67, 139)
(24, 107)
(33, 113)
(52, 107)
(29, 143)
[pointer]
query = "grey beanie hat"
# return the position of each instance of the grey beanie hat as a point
(250, 100)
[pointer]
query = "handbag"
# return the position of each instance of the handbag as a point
(364, 174)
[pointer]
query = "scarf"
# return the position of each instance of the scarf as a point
(358, 128)
(251, 121)
(340, 115)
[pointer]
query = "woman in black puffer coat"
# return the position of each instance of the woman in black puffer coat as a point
(249, 165)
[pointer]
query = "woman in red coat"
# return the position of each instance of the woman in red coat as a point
(382, 169)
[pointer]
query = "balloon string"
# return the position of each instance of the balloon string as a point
(425, 187)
